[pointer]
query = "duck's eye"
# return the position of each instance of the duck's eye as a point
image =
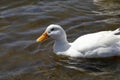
(52, 29)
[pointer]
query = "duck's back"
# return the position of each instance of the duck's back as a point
(95, 42)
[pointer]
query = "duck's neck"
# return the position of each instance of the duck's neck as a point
(61, 45)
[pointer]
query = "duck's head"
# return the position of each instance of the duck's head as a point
(54, 31)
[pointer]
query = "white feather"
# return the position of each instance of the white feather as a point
(99, 44)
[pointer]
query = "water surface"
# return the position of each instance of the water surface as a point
(21, 22)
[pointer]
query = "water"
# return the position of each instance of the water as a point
(21, 22)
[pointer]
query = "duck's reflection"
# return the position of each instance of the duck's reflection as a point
(96, 66)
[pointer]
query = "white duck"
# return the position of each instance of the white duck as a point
(100, 44)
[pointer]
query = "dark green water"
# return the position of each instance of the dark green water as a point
(22, 21)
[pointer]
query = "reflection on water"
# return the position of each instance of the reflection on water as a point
(100, 65)
(111, 4)
(111, 8)
(21, 22)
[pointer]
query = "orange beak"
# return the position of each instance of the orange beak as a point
(42, 37)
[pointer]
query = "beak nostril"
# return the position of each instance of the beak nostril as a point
(48, 31)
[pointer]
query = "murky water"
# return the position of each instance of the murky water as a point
(22, 21)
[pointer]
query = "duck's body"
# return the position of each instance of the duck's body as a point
(100, 44)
